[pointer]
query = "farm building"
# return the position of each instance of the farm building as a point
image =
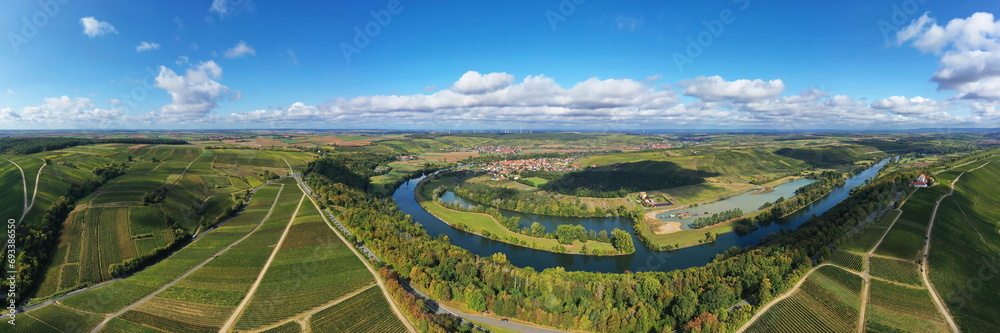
(921, 181)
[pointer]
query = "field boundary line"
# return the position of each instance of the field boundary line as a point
(34, 195)
(25, 309)
(863, 275)
(260, 276)
(24, 186)
(925, 268)
(43, 322)
(784, 295)
(190, 271)
(290, 171)
(866, 283)
(981, 238)
(378, 279)
(304, 317)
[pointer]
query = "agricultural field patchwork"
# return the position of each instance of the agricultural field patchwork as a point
(965, 250)
(204, 300)
(828, 301)
(848, 259)
(896, 270)
(365, 312)
(119, 294)
(292, 285)
(897, 307)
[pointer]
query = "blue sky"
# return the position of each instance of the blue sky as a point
(487, 64)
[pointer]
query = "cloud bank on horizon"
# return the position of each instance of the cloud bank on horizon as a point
(967, 51)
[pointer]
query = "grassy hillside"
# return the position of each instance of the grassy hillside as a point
(826, 156)
(965, 250)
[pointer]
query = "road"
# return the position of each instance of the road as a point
(783, 296)
(378, 278)
(34, 194)
(260, 276)
(189, 272)
(925, 270)
(864, 275)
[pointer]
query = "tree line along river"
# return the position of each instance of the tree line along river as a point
(643, 259)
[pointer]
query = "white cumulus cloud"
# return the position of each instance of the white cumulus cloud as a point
(969, 49)
(93, 28)
(908, 106)
(715, 88)
(146, 46)
(474, 83)
(63, 112)
(194, 94)
(239, 50)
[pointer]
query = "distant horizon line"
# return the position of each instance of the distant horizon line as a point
(509, 131)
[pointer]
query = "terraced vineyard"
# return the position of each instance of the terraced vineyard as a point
(896, 270)
(895, 307)
(851, 260)
(863, 240)
(965, 256)
(292, 285)
(115, 225)
(117, 295)
(13, 194)
(205, 299)
(904, 241)
(365, 312)
(828, 301)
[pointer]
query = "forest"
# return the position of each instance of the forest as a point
(617, 181)
(564, 234)
(24, 146)
(527, 201)
(717, 218)
(694, 298)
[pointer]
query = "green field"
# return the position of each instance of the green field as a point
(896, 270)
(828, 301)
(898, 307)
(112, 297)
(536, 182)
(903, 242)
(365, 312)
(205, 299)
(481, 224)
(848, 259)
(965, 247)
(312, 267)
(13, 194)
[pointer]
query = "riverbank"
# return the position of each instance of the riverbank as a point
(486, 226)
(662, 235)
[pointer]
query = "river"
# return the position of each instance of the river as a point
(643, 259)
